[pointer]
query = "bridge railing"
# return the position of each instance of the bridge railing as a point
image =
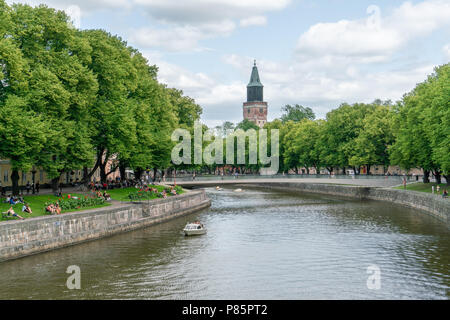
(291, 176)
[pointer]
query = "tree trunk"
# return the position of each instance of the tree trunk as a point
(55, 184)
(138, 173)
(155, 172)
(15, 182)
(102, 167)
(122, 172)
(86, 179)
(437, 175)
(368, 170)
(426, 176)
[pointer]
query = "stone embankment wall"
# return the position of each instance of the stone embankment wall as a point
(432, 204)
(22, 238)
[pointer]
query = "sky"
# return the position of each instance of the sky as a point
(318, 54)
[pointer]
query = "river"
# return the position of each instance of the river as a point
(261, 244)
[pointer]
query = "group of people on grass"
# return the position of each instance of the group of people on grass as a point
(25, 208)
(105, 195)
(163, 193)
(444, 192)
(53, 208)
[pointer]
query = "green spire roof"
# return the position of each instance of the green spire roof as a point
(254, 78)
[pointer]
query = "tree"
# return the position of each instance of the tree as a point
(297, 113)
(60, 86)
(421, 127)
(22, 136)
(301, 144)
(371, 145)
(112, 123)
(341, 128)
(246, 125)
(285, 162)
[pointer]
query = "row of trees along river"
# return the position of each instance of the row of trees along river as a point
(75, 99)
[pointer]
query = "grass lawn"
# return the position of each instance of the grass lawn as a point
(424, 187)
(122, 194)
(37, 204)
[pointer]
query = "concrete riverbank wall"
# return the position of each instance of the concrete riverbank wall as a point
(26, 237)
(431, 204)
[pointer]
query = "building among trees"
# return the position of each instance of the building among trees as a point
(255, 109)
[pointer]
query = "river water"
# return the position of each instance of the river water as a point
(260, 244)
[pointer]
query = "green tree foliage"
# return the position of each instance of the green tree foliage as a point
(421, 129)
(371, 145)
(297, 113)
(301, 143)
(90, 96)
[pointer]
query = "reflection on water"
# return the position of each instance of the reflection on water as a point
(260, 244)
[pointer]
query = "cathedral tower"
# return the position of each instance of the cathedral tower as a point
(255, 109)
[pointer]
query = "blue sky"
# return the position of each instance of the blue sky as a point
(315, 53)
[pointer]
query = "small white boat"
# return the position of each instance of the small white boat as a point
(193, 229)
(238, 190)
(219, 188)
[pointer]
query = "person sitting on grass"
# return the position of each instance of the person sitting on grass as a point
(164, 194)
(11, 212)
(106, 196)
(8, 198)
(26, 208)
(50, 208)
(20, 200)
(445, 193)
(12, 201)
(173, 191)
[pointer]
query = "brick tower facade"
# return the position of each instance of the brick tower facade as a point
(255, 109)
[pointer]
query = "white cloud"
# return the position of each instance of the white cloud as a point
(253, 21)
(84, 5)
(200, 11)
(180, 38)
(446, 50)
(374, 38)
(74, 12)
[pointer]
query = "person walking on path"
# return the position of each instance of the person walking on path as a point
(28, 187)
(404, 183)
(37, 187)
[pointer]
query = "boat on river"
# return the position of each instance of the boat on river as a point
(193, 229)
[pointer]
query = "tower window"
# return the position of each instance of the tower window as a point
(260, 110)
(248, 110)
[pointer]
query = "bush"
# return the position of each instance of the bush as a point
(152, 192)
(81, 202)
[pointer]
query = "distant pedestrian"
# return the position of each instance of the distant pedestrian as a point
(404, 183)
(432, 189)
(437, 189)
(28, 187)
(445, 193)
(37, 187)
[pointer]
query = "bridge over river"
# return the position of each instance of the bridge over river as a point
(375, 181)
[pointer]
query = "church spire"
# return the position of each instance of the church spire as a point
(254, 87)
